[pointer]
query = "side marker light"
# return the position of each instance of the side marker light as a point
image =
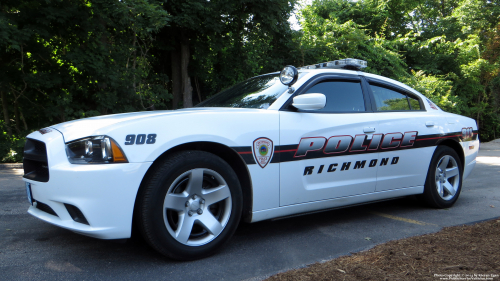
(118, 155)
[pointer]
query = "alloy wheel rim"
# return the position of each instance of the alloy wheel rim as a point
(197, 207)
(447, 177)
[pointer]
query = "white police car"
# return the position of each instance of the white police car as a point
(323, 137)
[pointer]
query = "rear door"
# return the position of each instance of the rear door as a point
(404, 159)
(326, 153)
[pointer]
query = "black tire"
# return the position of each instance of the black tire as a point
(170, 200)
(450, 181)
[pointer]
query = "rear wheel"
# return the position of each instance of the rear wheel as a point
(190, 205)
(444, 178)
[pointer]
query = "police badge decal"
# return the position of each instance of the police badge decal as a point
(263, 151)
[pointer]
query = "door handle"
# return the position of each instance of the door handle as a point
(429, 124)
(369, 129)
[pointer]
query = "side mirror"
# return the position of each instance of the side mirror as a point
(313, 101)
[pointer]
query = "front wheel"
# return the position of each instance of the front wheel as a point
(190, 205)
(444, 178)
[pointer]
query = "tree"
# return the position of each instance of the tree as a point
(448, 50)
(325, 37)
(219, 43)
(69, 59)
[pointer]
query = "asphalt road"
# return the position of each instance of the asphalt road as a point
(33, 250)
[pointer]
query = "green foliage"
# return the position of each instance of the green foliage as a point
(447, 50)
(11, 148)
(72, 59)
(436, 88)
(16, 148)
(325, 38)
(69, 59)
(239, 39)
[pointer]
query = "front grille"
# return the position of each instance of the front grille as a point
(46, 208)
(36, 166)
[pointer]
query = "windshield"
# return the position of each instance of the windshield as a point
(257, 92)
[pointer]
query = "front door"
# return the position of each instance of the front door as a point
(326, 153)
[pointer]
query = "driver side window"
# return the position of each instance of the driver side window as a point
(341, 96)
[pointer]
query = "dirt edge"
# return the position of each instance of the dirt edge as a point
(465, 252)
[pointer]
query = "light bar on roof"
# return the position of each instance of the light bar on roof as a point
(339, 64)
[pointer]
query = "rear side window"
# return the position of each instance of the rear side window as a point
(341, 96)
(388, 100)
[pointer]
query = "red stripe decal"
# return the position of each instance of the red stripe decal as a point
(439, 138)
(289, 150)
(277, 151)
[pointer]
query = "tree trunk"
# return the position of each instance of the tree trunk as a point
(63, 118)
(134, 62)
(176, 78)
(478, 112)
(197, 88)
(6, 114)
(187, 89)
(24, 120)
(16, 116)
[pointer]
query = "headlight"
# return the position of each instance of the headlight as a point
(95, 150)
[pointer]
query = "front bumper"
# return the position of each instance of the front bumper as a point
(104, 193)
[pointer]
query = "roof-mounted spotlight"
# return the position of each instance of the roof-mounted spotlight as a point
(289, 75)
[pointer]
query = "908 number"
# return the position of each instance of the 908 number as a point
(140, 139)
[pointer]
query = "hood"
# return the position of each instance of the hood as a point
(101, 125)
